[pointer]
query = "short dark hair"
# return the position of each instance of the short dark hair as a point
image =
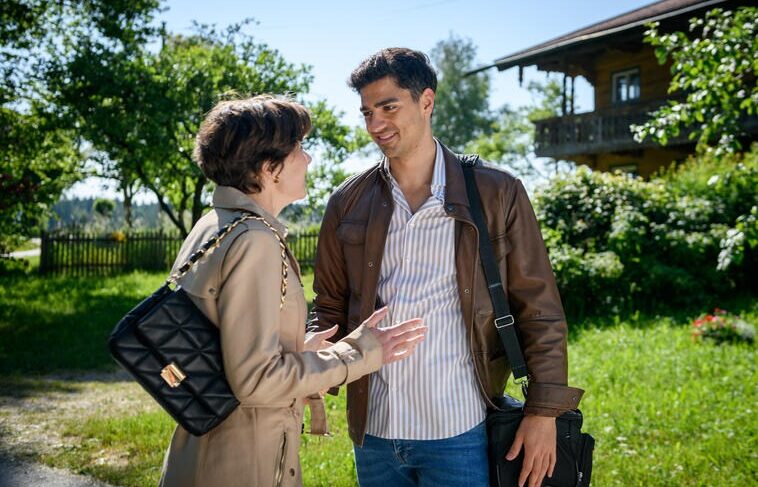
(410, 69)
(237, 137)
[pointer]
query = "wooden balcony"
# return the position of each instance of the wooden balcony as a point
(596, 132)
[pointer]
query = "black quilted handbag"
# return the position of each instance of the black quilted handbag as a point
(174, 352)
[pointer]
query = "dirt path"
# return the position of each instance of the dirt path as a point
(33, 410)
(20, 473)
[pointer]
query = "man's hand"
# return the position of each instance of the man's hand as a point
(537, 434)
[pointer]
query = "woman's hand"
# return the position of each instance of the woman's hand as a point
(398, 341)
(317, 340)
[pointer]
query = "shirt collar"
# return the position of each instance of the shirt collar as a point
(438, 175)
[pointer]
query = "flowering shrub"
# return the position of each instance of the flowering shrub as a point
(620, 244)
(118, 236)
(722, 326)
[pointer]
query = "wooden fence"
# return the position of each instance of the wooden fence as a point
(86, 254)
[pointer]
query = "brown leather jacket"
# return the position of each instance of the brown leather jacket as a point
(349, 256)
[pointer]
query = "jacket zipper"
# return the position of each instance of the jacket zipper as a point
(280, 465)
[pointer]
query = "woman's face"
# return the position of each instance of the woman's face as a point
(292, 175)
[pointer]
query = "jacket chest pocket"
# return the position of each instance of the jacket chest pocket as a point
(501, 246)
(352, 232)
(352, 236)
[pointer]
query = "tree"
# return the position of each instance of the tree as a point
(331, 142)
(39, 157)
(36, 164)
(142, 109)
(510, 141)
(714, 72)
(461, 107)
(104, 207)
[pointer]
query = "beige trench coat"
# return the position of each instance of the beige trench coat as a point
(238, 287)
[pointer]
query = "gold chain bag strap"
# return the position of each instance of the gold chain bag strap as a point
(174, 352)
(215, 241)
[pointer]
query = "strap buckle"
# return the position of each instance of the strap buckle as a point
(524, 383)
(504, 321)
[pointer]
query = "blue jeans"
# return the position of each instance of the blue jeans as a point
(457, 461)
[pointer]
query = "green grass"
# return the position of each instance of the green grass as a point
(308, 286)
(33, 263)
(62, 323)
(28, 244)
(663, 409)
(134, 445)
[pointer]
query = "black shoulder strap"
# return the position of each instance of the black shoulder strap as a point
(504, 321)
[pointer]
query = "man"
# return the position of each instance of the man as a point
(401, 234)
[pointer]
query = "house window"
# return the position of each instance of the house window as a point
(626, 86)
(630, 169)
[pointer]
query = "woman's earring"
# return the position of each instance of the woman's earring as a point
(276, 179)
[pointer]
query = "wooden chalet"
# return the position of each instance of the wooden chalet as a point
(628, 83)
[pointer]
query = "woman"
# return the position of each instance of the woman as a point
(249, 286)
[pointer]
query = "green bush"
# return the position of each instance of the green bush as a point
(619, 243)
(10, 266)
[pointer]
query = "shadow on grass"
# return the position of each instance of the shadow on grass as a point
(19, 386)
(743, 305)
(62, 323)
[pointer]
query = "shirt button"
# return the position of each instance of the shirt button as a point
(384, 204)
(467, 291)
(371, 263)
(449, 208)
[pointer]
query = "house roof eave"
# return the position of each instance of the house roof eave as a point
(528, 57)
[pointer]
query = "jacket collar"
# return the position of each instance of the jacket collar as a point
(232, 199)
(455, 191)
(455, 186)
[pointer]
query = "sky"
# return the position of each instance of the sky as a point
(334, 36)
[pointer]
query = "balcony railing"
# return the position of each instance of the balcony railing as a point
(606, 130)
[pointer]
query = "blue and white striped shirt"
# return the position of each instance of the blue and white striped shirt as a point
(432, 394)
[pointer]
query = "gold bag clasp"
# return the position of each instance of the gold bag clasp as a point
(173, 375)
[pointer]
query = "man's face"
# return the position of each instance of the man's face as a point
(395, 122)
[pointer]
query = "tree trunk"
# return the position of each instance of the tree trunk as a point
(165, 208)
(128, 196)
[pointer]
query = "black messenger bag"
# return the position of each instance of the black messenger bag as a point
(573, 467)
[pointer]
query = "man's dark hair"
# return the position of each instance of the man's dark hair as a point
(237, 137)
(410, 69)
